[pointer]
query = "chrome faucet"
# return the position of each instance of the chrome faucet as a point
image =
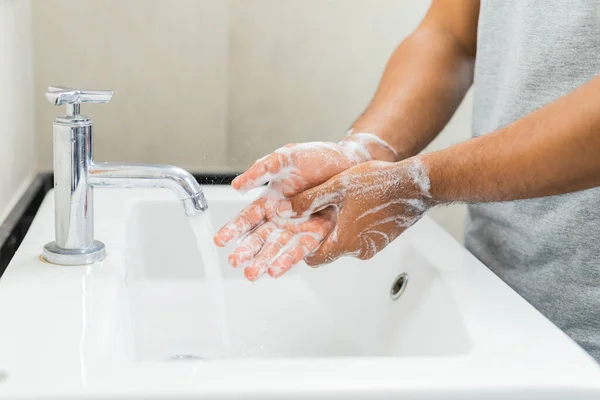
(76, 175)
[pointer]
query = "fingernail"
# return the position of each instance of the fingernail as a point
(218, 241)
(233, 260)
(251, 274)
(275, 271)
(240, 187)
(284, 209)
(225, 235)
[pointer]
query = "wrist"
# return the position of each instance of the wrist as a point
(371, 146)
(415, 169)
(403, 143)
(438, 169)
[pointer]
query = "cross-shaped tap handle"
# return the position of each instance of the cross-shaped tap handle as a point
(72, 98)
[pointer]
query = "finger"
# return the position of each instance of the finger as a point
(290, 185)
(249, 218)
(333, 246)
(251, 245)
(294, 252)
(319, 224)
(262, 171)
(275, 242)
(329, 251)
(311, 200)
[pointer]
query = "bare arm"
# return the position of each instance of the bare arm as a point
(425, 79)
(424, 82)
(554, 150)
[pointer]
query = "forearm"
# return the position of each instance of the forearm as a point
(554, 150)
(424, 82)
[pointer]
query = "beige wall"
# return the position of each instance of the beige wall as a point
(305, 69)
(18, 159)
(211, 85)
(167, 62)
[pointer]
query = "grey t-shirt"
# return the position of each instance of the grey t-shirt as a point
(529, 53)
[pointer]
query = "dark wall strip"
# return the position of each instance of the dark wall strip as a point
(14, 228)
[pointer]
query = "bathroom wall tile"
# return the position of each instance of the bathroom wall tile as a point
(167, 62)
(18, 160)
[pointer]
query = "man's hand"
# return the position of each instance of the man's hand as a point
(296, 167)
(375, 202)
(424, 82)
(279, 244)
(289, 171)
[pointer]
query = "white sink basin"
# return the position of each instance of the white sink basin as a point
(342, 310)
(142, 323)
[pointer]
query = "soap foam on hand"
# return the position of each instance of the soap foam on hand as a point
(279, 244)
(296, 167)
(274, 243)
(377, 201)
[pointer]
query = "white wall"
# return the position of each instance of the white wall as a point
(18, 158)
(211, 85)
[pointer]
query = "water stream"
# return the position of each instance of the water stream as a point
(203, 229)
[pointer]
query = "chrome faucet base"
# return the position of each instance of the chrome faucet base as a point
(89, 255)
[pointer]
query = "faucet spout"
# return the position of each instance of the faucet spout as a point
(178, 180)
(76, 174)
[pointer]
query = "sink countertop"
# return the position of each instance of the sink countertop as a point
(66, 331)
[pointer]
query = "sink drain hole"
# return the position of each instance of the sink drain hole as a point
(399, 286)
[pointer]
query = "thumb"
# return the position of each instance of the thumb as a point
(310, 201)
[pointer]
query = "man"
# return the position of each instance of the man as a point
(530, 174)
